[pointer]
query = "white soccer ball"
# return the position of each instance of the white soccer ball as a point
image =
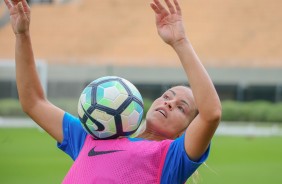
(110, 107)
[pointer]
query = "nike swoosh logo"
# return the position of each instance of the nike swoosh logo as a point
(92, 152)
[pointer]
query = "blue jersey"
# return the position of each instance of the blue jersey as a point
(167, 161)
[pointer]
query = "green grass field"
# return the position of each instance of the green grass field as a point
(30, 156)
(244, 160)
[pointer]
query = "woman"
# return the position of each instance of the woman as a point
(179, 125)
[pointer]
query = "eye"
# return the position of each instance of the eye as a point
(166, 97)
(181, 109)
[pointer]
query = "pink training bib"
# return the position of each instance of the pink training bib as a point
(118, 161)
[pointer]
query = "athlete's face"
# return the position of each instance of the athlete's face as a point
(171, 113)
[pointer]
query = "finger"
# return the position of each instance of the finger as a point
(25, 4)
(170, 7)
(161, 7)
(177, 6)
(8, 4)
(14, 2)
(155, 8)
(20, 9)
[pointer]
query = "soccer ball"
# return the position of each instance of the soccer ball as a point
(110, 107)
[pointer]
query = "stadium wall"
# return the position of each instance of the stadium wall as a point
(67, 81)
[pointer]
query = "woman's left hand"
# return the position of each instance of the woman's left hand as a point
(169, 22)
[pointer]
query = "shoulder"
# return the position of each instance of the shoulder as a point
(178, 167)
(73, 136)
(69, 118)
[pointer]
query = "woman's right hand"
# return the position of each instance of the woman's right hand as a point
(19, 15)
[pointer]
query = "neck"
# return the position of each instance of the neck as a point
(151, 135)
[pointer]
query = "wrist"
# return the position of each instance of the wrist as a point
(22, 35)
(178, 45)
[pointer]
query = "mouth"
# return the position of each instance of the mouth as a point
(162, 111)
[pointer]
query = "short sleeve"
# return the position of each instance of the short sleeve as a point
(74, 136)
(178, 167)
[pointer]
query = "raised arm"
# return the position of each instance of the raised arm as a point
(31, 95)
(201, 130)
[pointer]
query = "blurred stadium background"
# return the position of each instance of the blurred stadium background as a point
(238, 41)
(77, 41)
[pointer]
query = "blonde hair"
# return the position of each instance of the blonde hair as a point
(195, 177)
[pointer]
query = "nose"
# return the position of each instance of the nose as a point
(169, 104)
